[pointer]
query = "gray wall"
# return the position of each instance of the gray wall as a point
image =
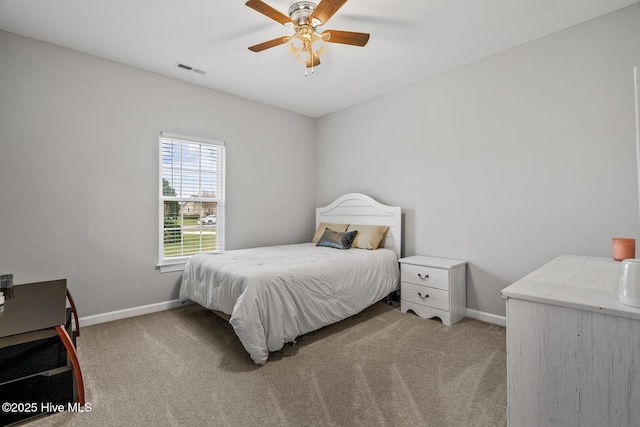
(506, 162)
(79, 171)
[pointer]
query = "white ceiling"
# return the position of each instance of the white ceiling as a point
(410, 40)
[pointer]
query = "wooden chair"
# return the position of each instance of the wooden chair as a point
(69, 344)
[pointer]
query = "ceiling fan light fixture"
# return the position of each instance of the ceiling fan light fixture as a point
(307, 43)
(304, 17)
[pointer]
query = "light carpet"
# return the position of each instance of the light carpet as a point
(186, 367)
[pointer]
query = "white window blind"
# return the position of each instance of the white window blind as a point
(191, 197)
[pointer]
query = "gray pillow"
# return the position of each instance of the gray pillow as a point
(336, 239)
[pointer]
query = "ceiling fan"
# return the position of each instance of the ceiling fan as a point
(304, 17)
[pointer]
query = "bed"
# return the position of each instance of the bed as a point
(272, 295)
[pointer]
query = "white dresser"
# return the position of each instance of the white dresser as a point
(573, 349)
(434, 287)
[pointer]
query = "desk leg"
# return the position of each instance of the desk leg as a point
(71, 351)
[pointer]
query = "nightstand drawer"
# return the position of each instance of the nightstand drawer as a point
(424, 295)
(425, 276)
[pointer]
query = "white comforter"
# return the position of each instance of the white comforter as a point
(274, 294)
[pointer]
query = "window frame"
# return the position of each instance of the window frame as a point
(178, 263)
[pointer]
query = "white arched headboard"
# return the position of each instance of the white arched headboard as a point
(356, 208)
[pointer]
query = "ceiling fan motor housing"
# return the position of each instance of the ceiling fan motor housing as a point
(299, 13)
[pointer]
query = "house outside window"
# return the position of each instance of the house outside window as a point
(191, 198)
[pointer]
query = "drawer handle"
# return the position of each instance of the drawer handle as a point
(423, 297)
(425, 277)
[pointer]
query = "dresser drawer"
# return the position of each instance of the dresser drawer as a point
(424, 295)
(425, 276)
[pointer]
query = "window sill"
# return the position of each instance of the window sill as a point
(178, 264)
(170, 268)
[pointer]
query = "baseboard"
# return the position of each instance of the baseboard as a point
(487, 317)
(167, 305)
(129, 312)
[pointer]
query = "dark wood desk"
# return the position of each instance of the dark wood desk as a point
(38, 360)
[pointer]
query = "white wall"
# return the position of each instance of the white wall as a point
(79, 171)
(506, 162)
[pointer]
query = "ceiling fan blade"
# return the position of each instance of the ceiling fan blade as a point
(326, 9)
(268, 11)
(271, 43)
(347, 37)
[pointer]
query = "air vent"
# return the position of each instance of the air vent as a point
(189, 68)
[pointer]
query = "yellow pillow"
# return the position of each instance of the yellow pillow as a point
(369, 236)
(341, 228)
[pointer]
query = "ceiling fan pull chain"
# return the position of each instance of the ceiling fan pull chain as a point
(311, 56)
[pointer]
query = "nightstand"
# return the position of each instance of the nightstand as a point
(434, 287)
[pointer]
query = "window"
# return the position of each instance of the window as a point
(191, 198)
